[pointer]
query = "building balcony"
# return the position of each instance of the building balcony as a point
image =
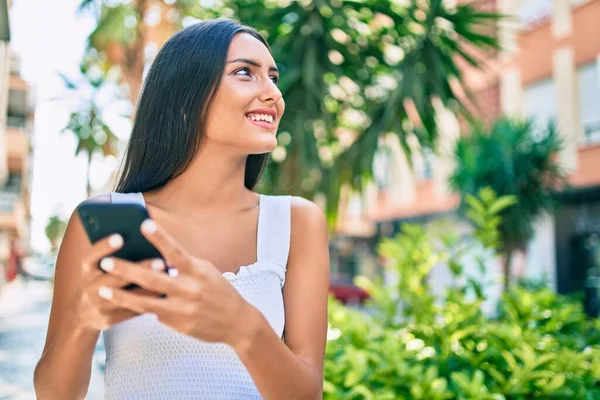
(591, 131)
(428, 198)
(17, 145)
(15, 82)
(588, 172)
(538, 44)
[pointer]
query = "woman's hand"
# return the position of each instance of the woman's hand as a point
(93, 313)
(199, 301)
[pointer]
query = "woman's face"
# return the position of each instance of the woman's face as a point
(248, 106)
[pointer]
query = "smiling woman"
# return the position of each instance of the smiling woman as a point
(221, 324)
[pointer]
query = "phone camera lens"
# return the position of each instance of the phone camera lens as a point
(94, 224)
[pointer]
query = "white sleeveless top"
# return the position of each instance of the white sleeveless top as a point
(148, 360)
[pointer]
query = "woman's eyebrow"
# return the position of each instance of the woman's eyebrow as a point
(251, 62)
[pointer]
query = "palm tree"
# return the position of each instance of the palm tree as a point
(352, 71)
(124, 30)
(55, 229)
(87, 121)
(514, 159)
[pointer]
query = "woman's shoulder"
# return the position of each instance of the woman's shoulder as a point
(307, 215)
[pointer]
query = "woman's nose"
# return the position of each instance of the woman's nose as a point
(270, 93)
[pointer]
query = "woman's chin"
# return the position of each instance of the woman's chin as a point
(264, 146)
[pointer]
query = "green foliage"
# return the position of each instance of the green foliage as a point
(87, 121)
(116, 25)
(55, 229)
(514, 159)
(484, 213)
(410, 345)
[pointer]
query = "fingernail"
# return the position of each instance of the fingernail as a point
(173, 272)
(107, 264)
(105, 293)
(149, 226)
(115, 241)
(157, 265)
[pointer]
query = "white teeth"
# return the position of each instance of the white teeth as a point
(261, 117)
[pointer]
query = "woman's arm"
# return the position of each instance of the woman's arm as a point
(294, 369)
(63, 371)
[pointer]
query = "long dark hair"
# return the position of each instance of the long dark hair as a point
(170, 119)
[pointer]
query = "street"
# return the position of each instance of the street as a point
(24, 311)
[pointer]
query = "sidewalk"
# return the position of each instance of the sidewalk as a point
(24, 311)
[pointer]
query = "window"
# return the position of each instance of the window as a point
(17, 103)
(533, 12)
(16, 122)
(588, 80)
(382, 163)
(424, 165)
(540, 104)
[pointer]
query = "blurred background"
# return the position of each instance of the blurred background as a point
(454, 146)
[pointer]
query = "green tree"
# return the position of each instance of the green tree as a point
(124, 29)
(514, 159)
(55, 229)
(87, 121)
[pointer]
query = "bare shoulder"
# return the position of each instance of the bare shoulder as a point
(309, 232)
(307, 217)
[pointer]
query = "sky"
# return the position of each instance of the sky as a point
(49, 39)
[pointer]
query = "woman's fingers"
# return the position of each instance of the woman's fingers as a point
(116, 281)
(101, 249)
(139, 304)
(152, 278)
(172, 252)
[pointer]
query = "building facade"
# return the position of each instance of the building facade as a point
(549, 68)
(16, 125)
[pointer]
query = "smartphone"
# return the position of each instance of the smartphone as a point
(104, 219)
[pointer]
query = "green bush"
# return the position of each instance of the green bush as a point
(409, 345)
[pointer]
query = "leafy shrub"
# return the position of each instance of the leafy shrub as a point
(409, 345)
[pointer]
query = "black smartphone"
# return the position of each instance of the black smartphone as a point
(104, 219)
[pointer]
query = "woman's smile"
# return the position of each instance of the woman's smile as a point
(263, 118)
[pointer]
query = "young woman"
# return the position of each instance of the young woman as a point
(228, 327)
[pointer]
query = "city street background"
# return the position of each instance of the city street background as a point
(454, 146)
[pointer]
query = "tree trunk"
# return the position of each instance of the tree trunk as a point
(344, 199)
(116, 53)
(134, 60)
(88, 185)
(521, 271)
(508, 253)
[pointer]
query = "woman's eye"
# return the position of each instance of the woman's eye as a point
(246, 72)
(243, 71)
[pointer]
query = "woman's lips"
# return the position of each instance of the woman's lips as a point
(262, 124)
